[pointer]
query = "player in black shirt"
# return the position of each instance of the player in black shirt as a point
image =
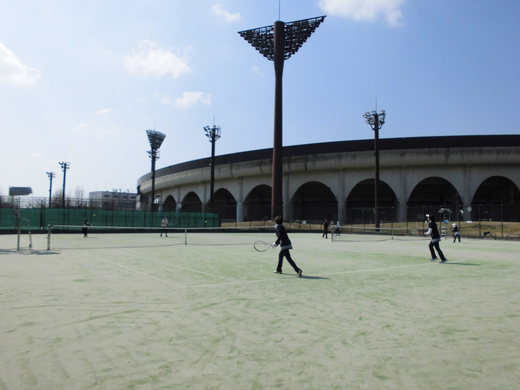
(456, 232)
(433, 231)
(285, 244)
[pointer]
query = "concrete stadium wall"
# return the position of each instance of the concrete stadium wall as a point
(464, 162)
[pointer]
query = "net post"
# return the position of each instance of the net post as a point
(18, 219)
(48, 237)
(186, 237)
(29, 232)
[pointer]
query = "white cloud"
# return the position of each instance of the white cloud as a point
(15, 72)
(365, 10)
(229, 17)
(189, 99)
(103, 111)
(151, 59)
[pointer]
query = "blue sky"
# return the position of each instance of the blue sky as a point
(82, 80)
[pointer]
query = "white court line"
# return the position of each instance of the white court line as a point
(233, 282)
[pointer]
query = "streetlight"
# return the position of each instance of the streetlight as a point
(155, 138)
(213, 134)
(51, 175)
(278, 43)
(376, 121)
(64, 167)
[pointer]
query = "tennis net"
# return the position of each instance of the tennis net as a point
(372, 233)
(74, 236)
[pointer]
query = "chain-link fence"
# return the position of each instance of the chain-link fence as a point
(40, 218)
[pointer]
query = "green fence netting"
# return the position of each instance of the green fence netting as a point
(41, 218)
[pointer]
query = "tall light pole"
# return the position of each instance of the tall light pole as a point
(51, 175)
(64, 167)
(213, 134)
(376, 120)
(278, 43)
(155, 138)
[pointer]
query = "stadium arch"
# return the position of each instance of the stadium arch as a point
(415, 172)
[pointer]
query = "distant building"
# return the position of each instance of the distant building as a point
(113, 200)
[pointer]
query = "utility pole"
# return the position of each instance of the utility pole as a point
(64, 167)
(51, 175)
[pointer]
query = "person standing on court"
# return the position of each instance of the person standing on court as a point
(84, 229)
(456, 232)
(164, 225)
(433, 232)
(325, 229)
(285, 244)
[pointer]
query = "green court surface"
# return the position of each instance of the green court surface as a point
(139, 311)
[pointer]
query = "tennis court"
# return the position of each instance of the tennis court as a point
(139, 311)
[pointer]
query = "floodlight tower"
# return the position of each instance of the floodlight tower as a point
(376, 120)
(156, 139)
(213, 134)
(64, 167)
(51, 176)
(278, 43)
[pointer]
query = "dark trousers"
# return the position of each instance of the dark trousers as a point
(285, 253)
(455, 237)
(437, 248)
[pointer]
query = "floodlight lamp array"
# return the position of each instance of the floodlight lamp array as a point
(296, 33)
(370, 118)
(155, 138)
(261, 39)
(212, 132)
(64, 165)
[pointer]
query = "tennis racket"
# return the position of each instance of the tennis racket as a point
(262, 246)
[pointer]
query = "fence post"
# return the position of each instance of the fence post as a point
(502, 218)
(48, 237)
(479, 225)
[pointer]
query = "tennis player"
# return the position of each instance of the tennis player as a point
(433, 232)
(325, 228)
(456, 232)
(164, 225)
(84, 229)
(285, 244)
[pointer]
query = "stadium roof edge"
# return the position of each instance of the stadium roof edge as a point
(455, 141)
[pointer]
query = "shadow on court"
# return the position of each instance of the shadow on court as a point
(314, 277)
(27, 252)
(455, 263)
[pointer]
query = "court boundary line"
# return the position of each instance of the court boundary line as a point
(231, 282)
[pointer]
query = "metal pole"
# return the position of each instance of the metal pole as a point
(64, 179)
(152, 200)
(376, 187)
(277, 174)
(51, 175)
(212, 179)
